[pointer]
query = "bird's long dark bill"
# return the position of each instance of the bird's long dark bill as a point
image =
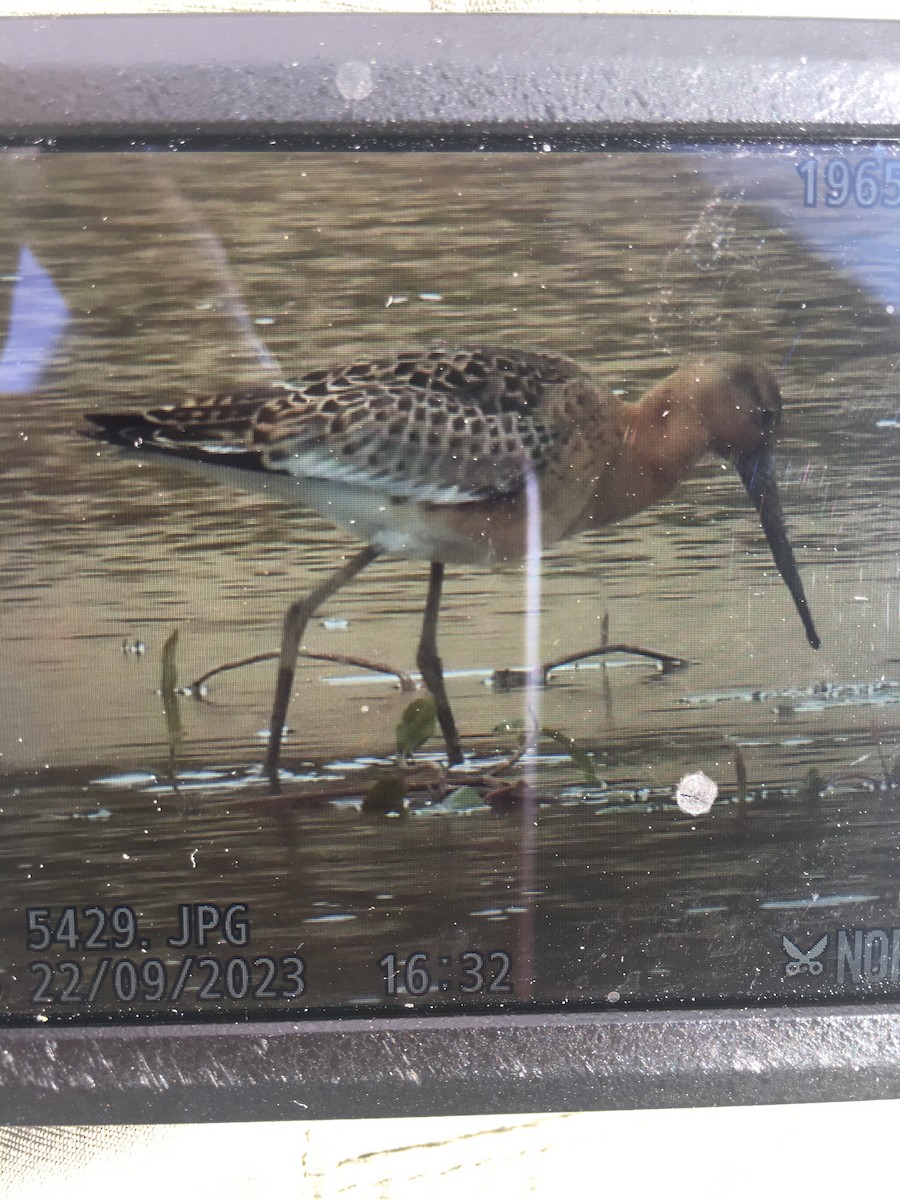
(758, 474)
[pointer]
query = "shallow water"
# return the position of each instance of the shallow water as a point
(183, 273)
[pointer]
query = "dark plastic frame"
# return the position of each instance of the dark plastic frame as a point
(436, 1066)
(461, 77)
(419, 83)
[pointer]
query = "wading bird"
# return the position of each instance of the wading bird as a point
(443, 455)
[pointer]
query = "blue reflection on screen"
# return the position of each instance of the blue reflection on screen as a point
(37, 319)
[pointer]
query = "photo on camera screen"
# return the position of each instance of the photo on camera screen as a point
(448, 581)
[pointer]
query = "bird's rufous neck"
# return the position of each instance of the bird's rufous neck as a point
(665, 433)
(662, 436)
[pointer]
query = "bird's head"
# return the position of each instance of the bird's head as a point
(737, 404)
(738, 401)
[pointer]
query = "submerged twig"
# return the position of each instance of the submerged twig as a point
(507, 679)
(407, 683)
(668, 662)
(427, 777)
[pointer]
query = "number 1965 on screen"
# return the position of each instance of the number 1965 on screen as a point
(837, 182)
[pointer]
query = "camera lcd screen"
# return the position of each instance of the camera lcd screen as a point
(613, 434)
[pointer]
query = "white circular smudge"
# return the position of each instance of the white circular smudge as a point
(354, 80)
(695, 794)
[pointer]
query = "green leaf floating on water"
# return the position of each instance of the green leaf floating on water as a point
(416, 726)
(582, 760)
(464, 799)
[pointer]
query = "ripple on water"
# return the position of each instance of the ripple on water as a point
(816, 901)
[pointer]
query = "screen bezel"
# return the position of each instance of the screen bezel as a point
(444, 82)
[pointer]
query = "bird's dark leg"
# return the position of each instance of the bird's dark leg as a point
(295, 621)
(429, 663)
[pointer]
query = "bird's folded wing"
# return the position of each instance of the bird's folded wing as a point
(444, 428)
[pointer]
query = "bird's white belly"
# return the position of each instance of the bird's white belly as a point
(403, 528)
(373, 517)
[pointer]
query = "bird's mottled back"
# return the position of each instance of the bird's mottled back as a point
(437, 426)
(495, 380)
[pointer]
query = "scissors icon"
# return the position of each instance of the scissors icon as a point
(803, 961)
